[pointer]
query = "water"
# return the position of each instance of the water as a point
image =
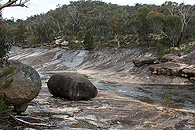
(180, 96)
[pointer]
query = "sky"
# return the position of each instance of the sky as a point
(43, 6)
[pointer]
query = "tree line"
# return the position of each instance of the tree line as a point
(168, 25)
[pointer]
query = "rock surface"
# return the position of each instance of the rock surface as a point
(108, 65)
(143, 60)
(72, 86)
(176, 66)
(168, 68)
(187, 59)
(107, 111)
(25, 87)
(169, 57)
(189, 71)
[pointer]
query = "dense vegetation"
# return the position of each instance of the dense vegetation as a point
(111, 25)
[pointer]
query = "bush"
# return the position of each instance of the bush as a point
(80, 35)
(88, 41)
(75, 45)
(3, 107)
(189, 40)
(4, 43)
(32, 41)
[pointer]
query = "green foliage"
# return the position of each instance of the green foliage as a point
(6, 77)
(80, 35)
(3, 107)
(32, 41)
(4, 43)
(109, 22)
(166, 102)
(75, 45)
(88, 41)
(144, 26)
(20, 33)
(189, 40)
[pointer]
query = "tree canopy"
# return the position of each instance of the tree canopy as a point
(139, 24)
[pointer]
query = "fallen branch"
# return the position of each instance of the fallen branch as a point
(28, 123)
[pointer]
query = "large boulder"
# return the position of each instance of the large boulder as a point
(143, 60)
(72, 86)
(25, 87)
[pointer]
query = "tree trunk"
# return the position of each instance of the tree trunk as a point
(180, 38)
(119, 44)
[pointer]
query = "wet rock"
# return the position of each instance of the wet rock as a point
(24, 88)
(168, 68)
(143, 60)
(72, 86)
(169, 57)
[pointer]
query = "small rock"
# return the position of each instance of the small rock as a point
(72, 86)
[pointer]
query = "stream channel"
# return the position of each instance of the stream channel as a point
(50, 61)
(180, 96)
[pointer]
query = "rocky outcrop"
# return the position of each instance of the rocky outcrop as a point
(72, 86)
(168, 68)
(143, 60)
(169, 57)
(176, 66)
(24, 88)
(187, 59)
(189, 71)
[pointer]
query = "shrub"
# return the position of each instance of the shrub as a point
(4, 43)
(32, 41)
(3, 107)
(80, 35)
(88, 41)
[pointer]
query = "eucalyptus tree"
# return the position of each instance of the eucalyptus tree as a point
(4, 35)
(182, 14)
(144, 25)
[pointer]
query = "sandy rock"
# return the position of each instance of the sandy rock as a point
(25, 87)
(72, 86)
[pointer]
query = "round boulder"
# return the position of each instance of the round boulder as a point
(72, 86)
(25, 86)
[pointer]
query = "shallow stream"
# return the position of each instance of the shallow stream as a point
(180, 96)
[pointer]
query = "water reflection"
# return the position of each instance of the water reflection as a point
(180, 96)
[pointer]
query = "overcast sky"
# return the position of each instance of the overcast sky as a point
(42, 6)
